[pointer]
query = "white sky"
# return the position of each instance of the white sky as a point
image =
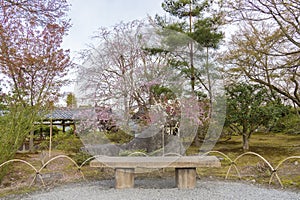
(89, 15)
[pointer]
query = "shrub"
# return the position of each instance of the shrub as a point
(66, 142)
(15, 125)
(119, 137)
(80, 157)
(94, 137)
(289, 124)
(292, 124)
(44, 130)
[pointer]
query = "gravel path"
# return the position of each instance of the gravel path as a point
(161, 189)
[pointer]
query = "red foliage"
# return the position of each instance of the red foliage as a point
(31, 55)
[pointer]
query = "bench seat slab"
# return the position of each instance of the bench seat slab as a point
(156, 162)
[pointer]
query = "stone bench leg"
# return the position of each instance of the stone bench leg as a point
(124, 178)
(185, 178)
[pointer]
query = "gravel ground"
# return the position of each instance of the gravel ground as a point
(161, 189)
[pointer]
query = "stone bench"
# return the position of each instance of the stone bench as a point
(185, 168)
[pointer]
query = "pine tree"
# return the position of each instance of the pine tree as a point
(197, 20)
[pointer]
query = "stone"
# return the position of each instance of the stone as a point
(153, 142)
(124, 178)
(103, 149)
(185, 178)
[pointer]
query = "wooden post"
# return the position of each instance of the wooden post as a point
(163, 141)
(63, 125)
(74, 127)
(124, 178)
(185, 178)
(50, 142)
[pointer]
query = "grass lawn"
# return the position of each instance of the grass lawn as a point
(273, 147)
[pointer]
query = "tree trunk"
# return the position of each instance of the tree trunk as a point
(192, 68)
(245, 142)
(31, 146)
(192, 53)
(196, 140)
(209, 83)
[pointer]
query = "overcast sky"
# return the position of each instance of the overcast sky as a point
(88, 15)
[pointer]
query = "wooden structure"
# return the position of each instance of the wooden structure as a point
(63, 117)
(185, 168)
(69, 116)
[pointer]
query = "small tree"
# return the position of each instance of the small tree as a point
(2, 102)
(247, 109)
(71, 101)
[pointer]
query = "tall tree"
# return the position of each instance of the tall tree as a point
(31, 56)
(128, 71)
(200, 21)
(266, 49)
(120, 70)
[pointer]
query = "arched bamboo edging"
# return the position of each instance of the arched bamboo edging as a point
(62, 156)
(232, 163)
(138, 153)
(91, 158)
(172, 154)
(30, 165)
(276, 168)
(262, 158)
